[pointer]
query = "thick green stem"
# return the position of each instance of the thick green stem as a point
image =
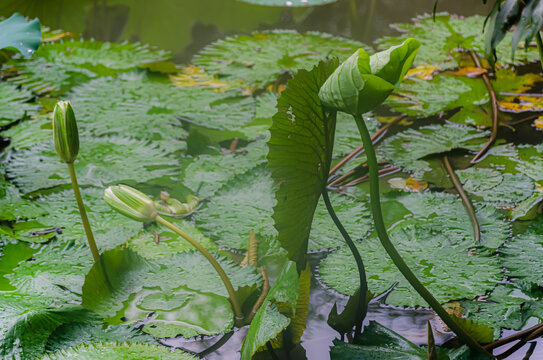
(227, 284)
(539, 47)
(391, 250)
(362, 305)
(83, 213)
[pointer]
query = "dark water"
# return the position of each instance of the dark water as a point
(184, 27)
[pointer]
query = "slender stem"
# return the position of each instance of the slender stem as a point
(359, 149)
(494, 104)
(262, 297)
(385, 171)
(391, 250)
(83, 213)
(539, 47)
(464, 197)
(530, 351)
(519, 335)
(361, 307)
(229, 288)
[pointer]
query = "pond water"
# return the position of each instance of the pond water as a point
(186, 26)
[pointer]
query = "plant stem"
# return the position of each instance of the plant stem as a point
(83, 213)
(362, 306)
(539, 47)
(391, 250)
(227, 284)
(464, 197)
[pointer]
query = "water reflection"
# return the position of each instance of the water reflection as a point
(185, 26)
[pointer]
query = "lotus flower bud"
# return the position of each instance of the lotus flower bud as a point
(65, 132)
(130, 202)
(363, 82)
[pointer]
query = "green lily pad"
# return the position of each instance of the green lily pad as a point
(443, 266)
(12, 255)
(13, 206)
(379, 342)
(108, 106)
(116, 351)
(514, 159)
(503, 308)
(289, 3)
(262, 57)
(29, 132)
(27, 321)
(181, 291)
(494, 187)
(242, 205)
(101, 161)
(169, 243)
(354, 214)
(76, 333)
(57, 66)
(15, 104)
(347, 137)
(522, 258)
(406, 148)
(17, 33)
(442, 37)
(444, 92)
(207, 173)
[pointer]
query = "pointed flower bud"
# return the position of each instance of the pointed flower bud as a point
(130, 202)
(363, 82)
(65, 132)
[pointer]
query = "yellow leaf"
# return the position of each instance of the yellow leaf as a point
(538, 123)
(425, 72)
(469, 71)
(194, 76)
(409, 184)
(521, 103)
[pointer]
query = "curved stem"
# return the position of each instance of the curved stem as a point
(464, 197)
(361, 307)
(227, 284)
(493, 104)
(391, 250)
(83, 213)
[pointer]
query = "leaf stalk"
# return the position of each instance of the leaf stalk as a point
(83, 213)
(391, 250)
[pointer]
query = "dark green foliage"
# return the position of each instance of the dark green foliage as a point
(300, 148)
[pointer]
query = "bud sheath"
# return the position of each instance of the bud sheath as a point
(130, 202)
(65, 132)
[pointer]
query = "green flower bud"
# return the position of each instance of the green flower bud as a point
(170, 206)
(363, 82)
(130, 202)
(65, 131)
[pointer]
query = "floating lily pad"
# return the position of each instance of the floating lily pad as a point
(126, 286)
(503, 308)
(29, 132)
(27, 321)
(494, 187)
(260, 58)
(522, 257)
(157, 242)
(18, 33)
(76, 333)
(15, 104)
(514, 159)
(444, 267)
(406, 148)
(13, 206)
(379, 342)
(442, 40)
(150, 110)
(101, 161)
(116, 351)
(354, 214)
(242, 205)
(207, 173)
(58, 66)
